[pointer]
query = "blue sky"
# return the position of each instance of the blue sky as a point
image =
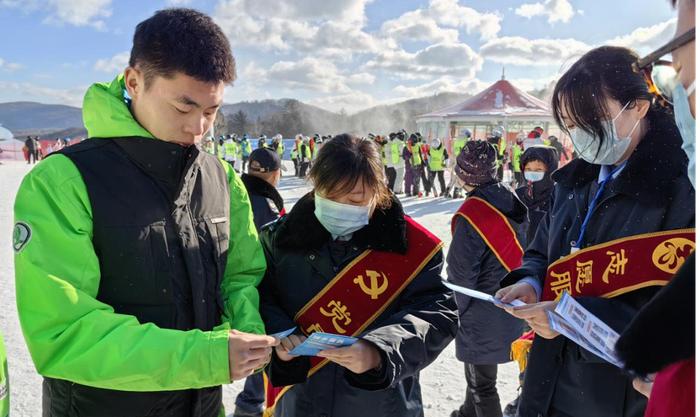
(349, 54)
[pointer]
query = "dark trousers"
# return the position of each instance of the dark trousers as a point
(252, 398)
(33, 156)
(482, 397)
(417, 171)
(441, 178)
(303, 167)
(424, 177)
(390, 176)
(408, 180)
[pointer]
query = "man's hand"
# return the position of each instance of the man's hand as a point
(536, 316)
(287, 345)
(358, 358)
(643, 386)
(519, 291)
(248, 352)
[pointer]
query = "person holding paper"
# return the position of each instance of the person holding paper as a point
(618, 229)
(136, 256)
(347, 261)
(488, 232)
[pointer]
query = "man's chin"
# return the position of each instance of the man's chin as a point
(185, 143)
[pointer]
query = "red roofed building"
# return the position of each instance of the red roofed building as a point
(500, 105)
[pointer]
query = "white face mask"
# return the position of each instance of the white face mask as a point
(340, 219)
(534, 176)
(686, 123)
(610, 148)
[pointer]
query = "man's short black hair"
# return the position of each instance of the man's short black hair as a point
(182, 40)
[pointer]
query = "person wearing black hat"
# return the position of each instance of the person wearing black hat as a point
(264, 173)
(485, 231)
(267, 204)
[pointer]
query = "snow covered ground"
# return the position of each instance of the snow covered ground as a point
(442, 382)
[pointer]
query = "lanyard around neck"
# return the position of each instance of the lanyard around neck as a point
(591, 206)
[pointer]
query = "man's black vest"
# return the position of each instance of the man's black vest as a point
(161, 233)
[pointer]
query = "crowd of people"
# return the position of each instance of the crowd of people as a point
(149, 273)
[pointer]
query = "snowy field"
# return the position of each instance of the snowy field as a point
(442, 382)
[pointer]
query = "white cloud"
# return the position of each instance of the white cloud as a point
(80, 12)
(9, 66)
(113, 65)
(450, 13)
(310, 25)
(29, 91)
(439, 59)
(647, 37)
(362, 78)
(178, 2)
(517, 50)
(417, 25)
(309, 74)
(73, 12)
(440, 23)
(441, 85)
(554, 10)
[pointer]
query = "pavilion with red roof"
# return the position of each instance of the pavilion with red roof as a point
(500, 105)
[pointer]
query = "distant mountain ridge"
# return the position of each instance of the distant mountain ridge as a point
(55, 120)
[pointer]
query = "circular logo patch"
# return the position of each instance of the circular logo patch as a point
(21, 235)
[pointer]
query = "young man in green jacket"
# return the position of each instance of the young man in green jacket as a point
(137, 259)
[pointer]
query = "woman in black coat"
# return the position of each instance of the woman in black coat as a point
(485, 331)
(307, 248)
(537, 163)
(631, 181)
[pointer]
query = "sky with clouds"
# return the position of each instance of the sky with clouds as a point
(337, 54)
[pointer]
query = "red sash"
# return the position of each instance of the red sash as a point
(620, 266)
(360, 293)
(494, 228)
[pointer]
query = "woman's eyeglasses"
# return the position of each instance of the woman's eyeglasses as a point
(660, 75)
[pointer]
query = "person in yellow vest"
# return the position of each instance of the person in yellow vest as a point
(516, 153)
(395, 168)
(416, 164)
(488, 233)
(304, 156)
(246, 150)
(278, 145)
(458, 144)
(436, 165)
(352, 226)
(230, 150)
(294, 154)
(238, 165)
(220, 150)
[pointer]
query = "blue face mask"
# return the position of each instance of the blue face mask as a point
(340, 219)
(534, 176)
(686, 124)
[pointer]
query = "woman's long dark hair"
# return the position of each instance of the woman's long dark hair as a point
(605, 72)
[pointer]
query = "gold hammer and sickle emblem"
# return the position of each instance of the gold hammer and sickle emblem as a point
(670, 254)
(374, 290)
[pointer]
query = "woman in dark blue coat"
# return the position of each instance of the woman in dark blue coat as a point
(631, 180)
(349, 212)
